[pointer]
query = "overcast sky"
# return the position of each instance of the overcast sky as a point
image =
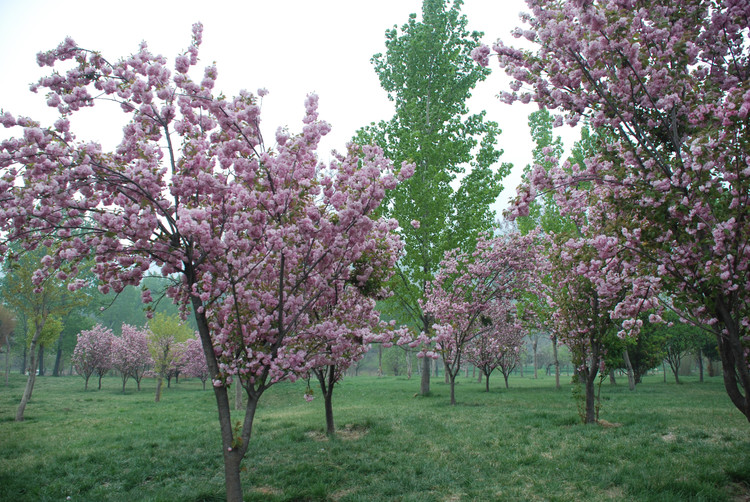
(290, 47)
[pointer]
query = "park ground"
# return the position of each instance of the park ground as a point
(663, 442)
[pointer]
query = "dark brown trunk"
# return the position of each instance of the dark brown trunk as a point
(233, 450)
(700, 364)
(159, 383)
(424, 386)
(452, 378)
(734, 366)
(589, 380)
(58, 359)
(40, 361)
(487, 384)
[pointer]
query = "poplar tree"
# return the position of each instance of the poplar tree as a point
(428, 73)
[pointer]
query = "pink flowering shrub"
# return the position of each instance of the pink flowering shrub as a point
(93, 353)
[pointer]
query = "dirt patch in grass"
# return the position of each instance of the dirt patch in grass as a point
(608, 425)
(349, 432)
(267, 490)
(669, 437)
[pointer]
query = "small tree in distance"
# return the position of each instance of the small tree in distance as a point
(500, 346)
(469, 286)
(194, 360)
(130, 354)
(93, 353)
(165, 336)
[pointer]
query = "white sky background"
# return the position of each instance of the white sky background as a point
(290, 47)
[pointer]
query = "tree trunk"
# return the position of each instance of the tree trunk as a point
(448, 374)
(32, 373)
(23, 361)
(40, 361)
(380, 360)
(700, 364)
(325, 378)
(159, 383)
(556, 362)
(452, 379)
(534, 349)
(7, 362)
(58, 359)
(612, 379)
(629, 366)
(424, 386)
(487, 383)
(100, 381)
(505, 376)
(733, 361)
(589, 380)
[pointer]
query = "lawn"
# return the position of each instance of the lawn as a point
(662, 442)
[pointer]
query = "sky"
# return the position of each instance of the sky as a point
(289, 47)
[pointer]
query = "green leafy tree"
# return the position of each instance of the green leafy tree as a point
(7, 328)
(647, 351)
(543, 211)
(39, 299)
(680, 339)
(544, 214)
(166, 336)
(428, 73)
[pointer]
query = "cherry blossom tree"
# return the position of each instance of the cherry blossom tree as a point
(469, 285)
(342, 338)
(346, 325)
(254, 237)
(668, 80)
(130, 354)
(500, 346)
(194, 361)
(93, 353)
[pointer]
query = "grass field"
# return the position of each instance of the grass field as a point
(663, 442)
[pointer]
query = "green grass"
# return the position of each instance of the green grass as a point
(667, 442)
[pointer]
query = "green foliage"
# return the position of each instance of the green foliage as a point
(674, 443)
(428, 73)
(127, 307)
(543, 211)
(51, 330)
(647, 352)
(7, 326)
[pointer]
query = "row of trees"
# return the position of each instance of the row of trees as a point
(165, 349)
